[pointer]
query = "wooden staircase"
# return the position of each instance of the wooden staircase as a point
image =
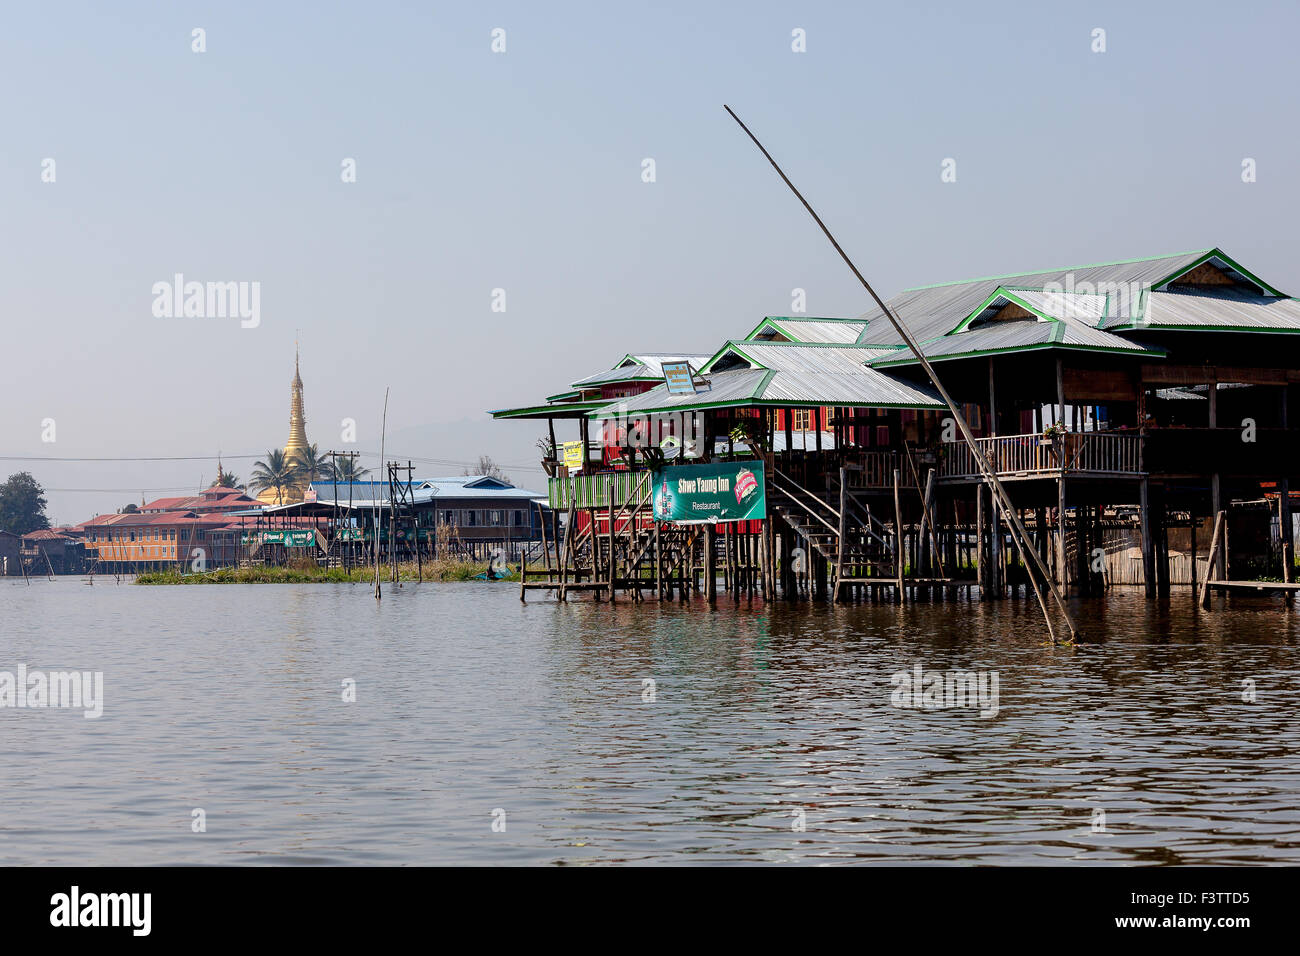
(839, 527)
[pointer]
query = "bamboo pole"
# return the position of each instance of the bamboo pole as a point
(383, 433)
(898, 544)
(563, 559)
(842, 535)
(1002, 497)
(613, 565)
(1216, 540)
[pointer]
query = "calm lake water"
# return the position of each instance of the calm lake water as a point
(229, 699)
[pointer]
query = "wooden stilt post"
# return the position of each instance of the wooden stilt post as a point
(681, 571)
(1062, 571)
(613, 564)
(568, 546)
(726, 558)
(982, 563)
(898, 544)
(1216, 541)
(997, 561)
(788, 581)
(594, 535)
(710, 570)
(1148, 553)
(659, 564)
(1081, 520)
(769, 558)
(1285, 534)
(1216, 492)
(843, 536)
(1162, 547)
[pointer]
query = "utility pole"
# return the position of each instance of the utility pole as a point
(352, 457)
(399, 496)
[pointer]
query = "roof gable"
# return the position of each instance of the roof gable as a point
(807, 330)
(1206, 270)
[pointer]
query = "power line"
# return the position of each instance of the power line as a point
(142, 458)
(224, 457)
(123, 491)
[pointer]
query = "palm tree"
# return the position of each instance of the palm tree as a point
(310, 464)
(346, 470)
(276, 471)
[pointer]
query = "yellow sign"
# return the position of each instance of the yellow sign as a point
(572, 454)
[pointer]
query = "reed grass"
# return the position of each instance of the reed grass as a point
(442, 569)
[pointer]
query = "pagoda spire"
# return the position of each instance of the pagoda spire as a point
(297, 412)
(297, 435)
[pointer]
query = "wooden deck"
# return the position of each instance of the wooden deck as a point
(1084, 454)
(1269, 586)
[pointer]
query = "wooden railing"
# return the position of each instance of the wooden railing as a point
(877, 470)
(1028, 455)
(593, 491)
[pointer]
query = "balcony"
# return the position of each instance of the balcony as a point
(597, 490)
(1250, 452)
(1101, 454)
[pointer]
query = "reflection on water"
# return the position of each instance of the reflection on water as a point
(229, 698)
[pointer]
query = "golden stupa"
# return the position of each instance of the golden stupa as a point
(296, 443)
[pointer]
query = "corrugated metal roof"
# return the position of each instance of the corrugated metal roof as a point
(933, 311)
(787, 357)
(814, 330)
(1017, 334)
(366, 494)
(656, 362)
(733, 387)
(1080, 307)
(645, 367)
(742, 387)
(1179, 395)
(1227, 309)
(1085, 336)
(865, 387)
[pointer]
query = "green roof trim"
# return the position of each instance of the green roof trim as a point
(778, 403)
(813, 318)
(1002, 292)
(1018, 349)
(1254, 330)
(738, 346)
(543, 411)
(1035, 272)
(1233, 263)
(731, 345)
(762, 383)
(771, 322)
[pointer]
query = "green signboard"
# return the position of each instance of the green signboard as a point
(290, 539)
(719, 491)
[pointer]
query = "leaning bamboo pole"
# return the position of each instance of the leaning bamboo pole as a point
(1019, 535)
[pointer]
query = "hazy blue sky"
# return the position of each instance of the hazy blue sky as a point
(522, 171)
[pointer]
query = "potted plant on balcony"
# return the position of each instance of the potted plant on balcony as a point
(549, 460)
(1053, 434)
(750, 431)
